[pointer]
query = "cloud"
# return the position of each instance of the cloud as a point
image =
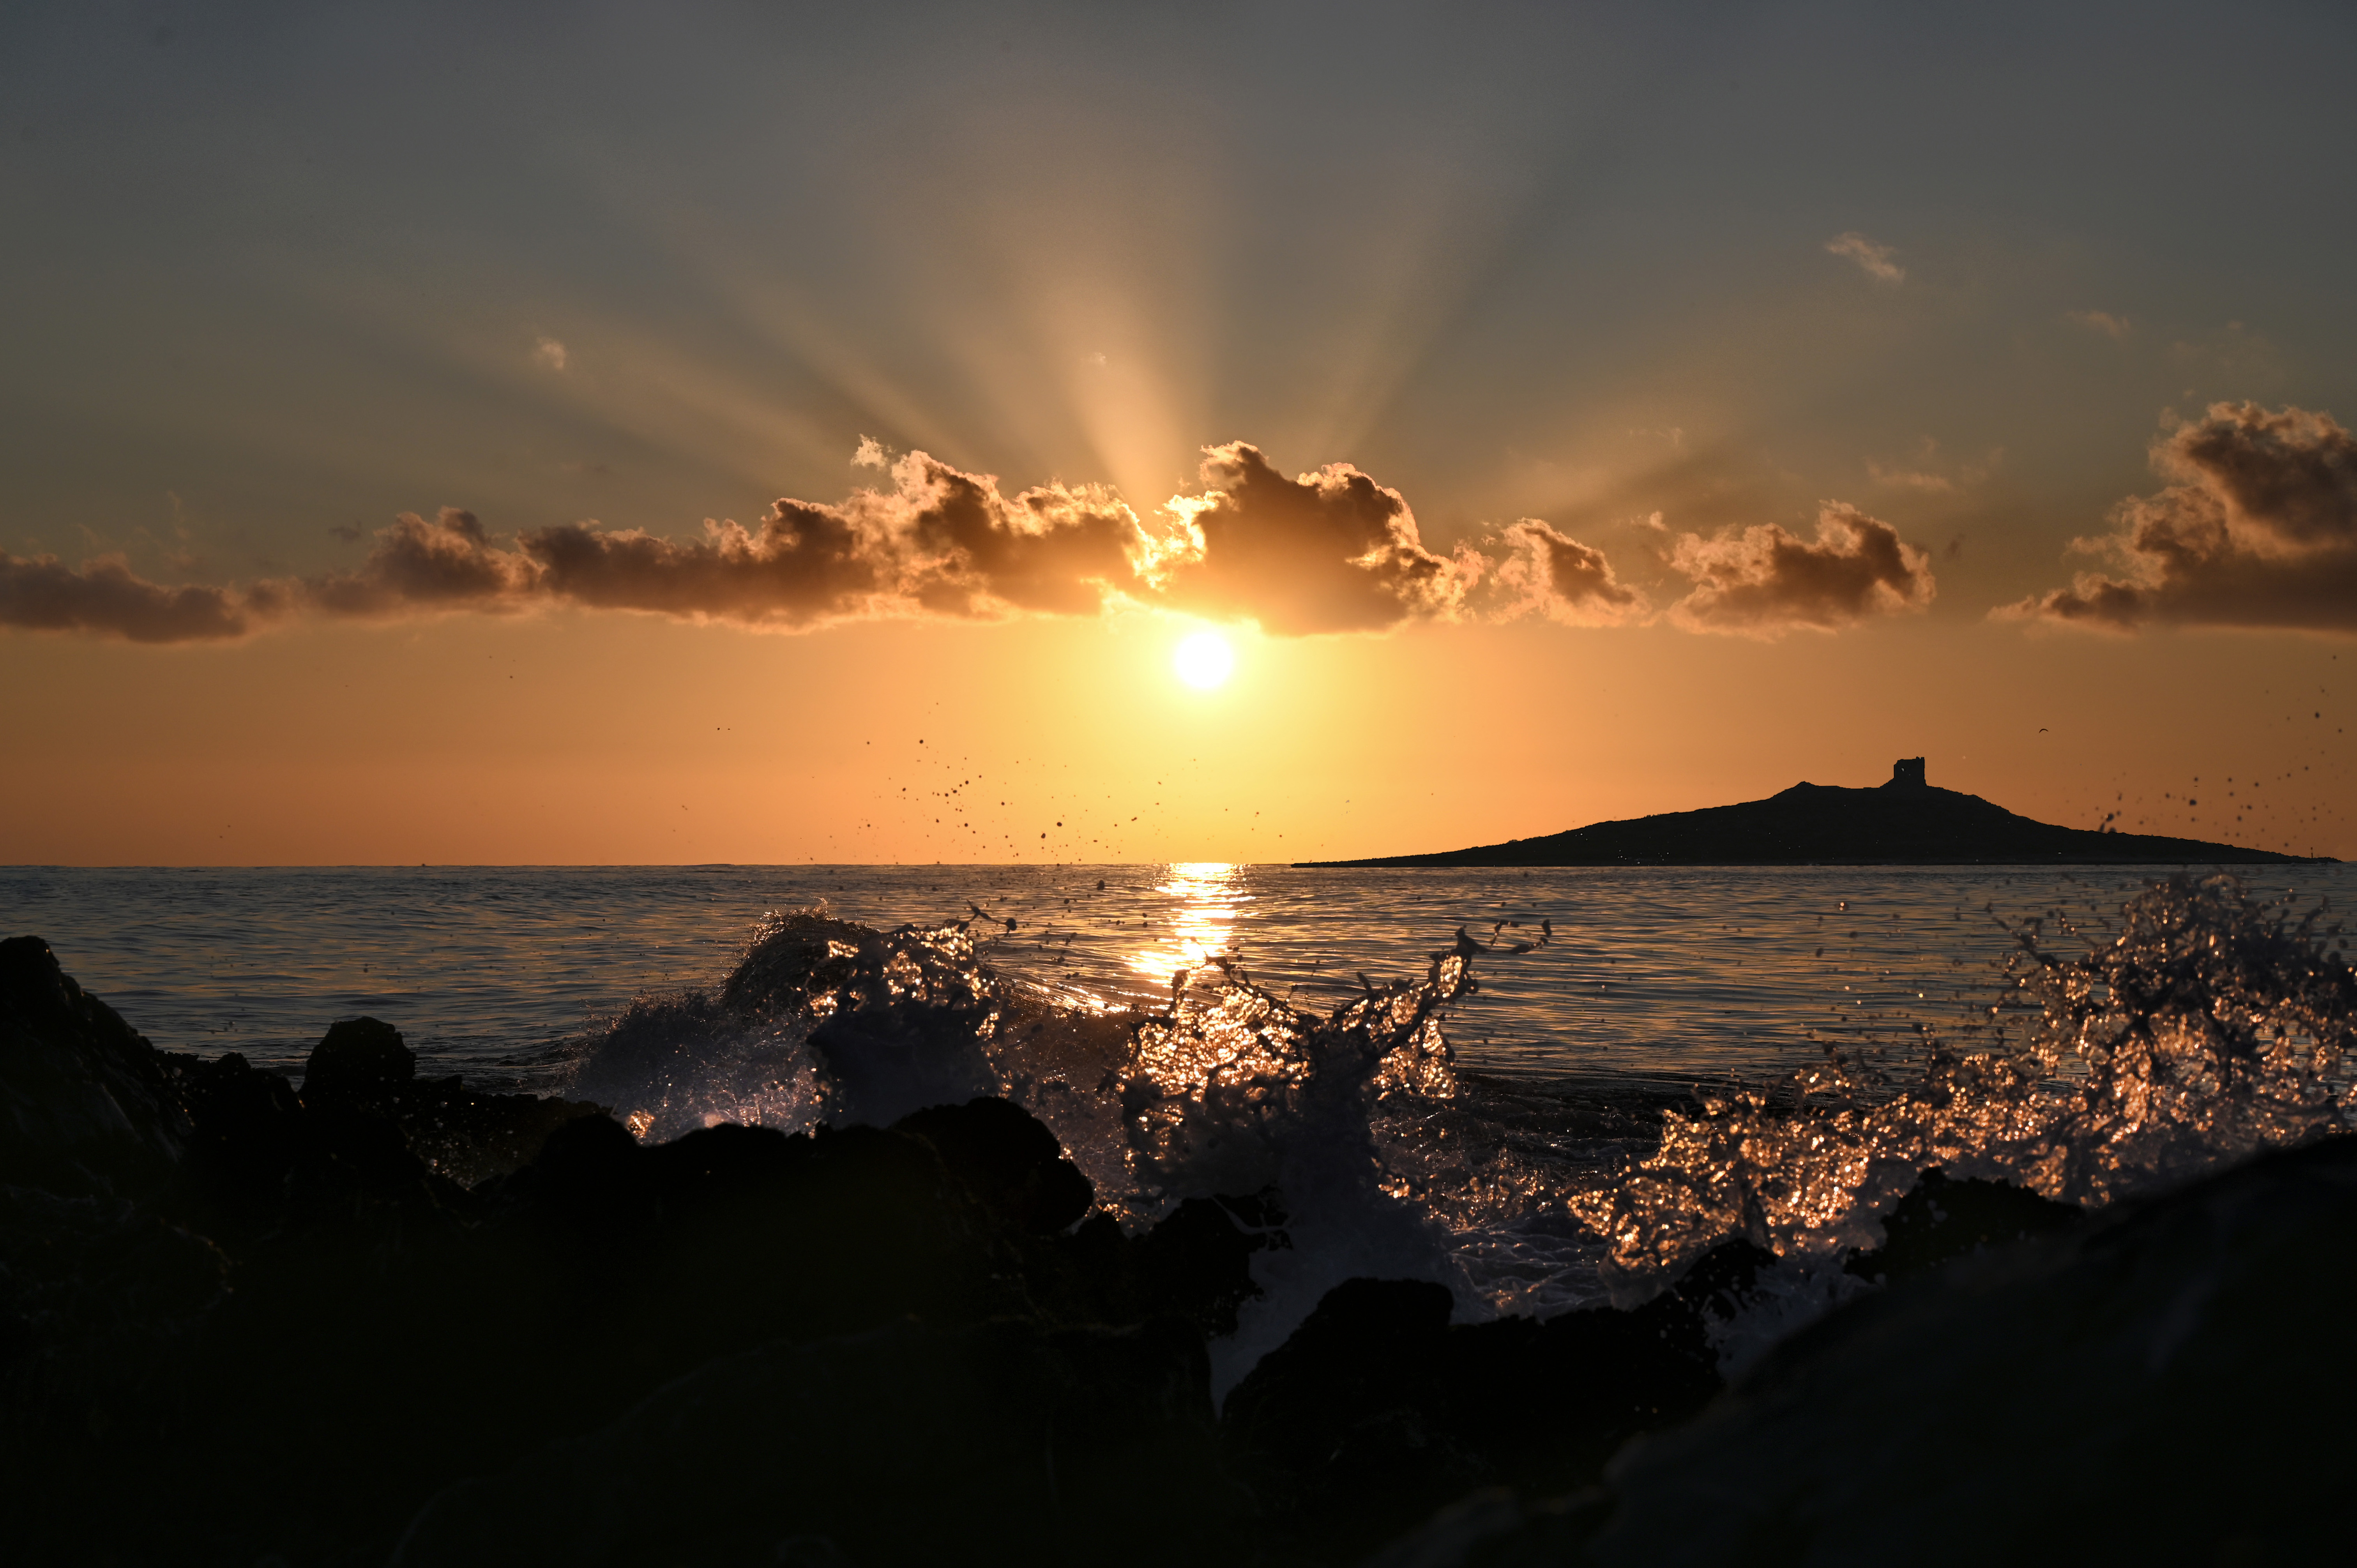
(1763, 582)
(940, 543)
(869, 454)
(1559, 577)
(2113, 326)
(1328, 552)
(447, 564)
(2258, 528)
(1331, 551)
(1875, 259)
(104, 596)
(1927, 479)
(550, 353)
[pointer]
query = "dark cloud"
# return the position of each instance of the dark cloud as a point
(1327, 552)
(2257, 528)
(803, 564)
(1763, 582)
(104, 596)
(1562, 579)
(447, 564)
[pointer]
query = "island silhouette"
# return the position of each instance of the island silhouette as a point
(1907, 822)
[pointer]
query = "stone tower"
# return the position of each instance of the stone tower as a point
(1907, 773)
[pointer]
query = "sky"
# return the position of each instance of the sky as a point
(766, 434)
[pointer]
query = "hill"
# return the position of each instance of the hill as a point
(1907, 822)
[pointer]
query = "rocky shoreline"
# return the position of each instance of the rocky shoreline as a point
(380, 1320)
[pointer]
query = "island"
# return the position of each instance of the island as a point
(1907, 822)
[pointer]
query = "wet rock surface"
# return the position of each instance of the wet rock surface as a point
(1941, 1218)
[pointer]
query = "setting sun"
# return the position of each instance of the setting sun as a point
(1204, 660)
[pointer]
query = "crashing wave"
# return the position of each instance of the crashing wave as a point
(2204, 1028)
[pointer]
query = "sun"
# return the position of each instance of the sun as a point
(1204, 660)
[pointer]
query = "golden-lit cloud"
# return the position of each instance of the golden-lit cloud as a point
(940, 543)
(1549, 574)
(1331, 551)
(1764, 582)
(2258, 528)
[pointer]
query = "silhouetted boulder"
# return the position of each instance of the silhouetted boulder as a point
(471, 1137)
(260, 1156)
(1007, 1160)
(1941, 1218)
(994, 1442)
(359, 1061)
(2156, 1384)
(83, 1105)
(362, 1067)
(1379, 1411)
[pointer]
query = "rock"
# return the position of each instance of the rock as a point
(83, 1104)
(1341, 1428)
(1378, 1411)
(1007, 1160)
(470, 1137)
(359, 1062)
(1493, 1527)
(2038, 1394)
(363, 1065)
(997, 1442)
(732, 1236)
(261, 1157)
(1941, 1218)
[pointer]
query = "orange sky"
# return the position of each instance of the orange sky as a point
(620, 739)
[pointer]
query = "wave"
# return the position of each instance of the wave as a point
(2193, 1029)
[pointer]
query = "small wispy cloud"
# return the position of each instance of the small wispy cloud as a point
(869, 454)
(1875, 258)
(2113, 326)
(550, 353)
(1929, 474)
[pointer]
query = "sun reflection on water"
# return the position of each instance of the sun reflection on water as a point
(1207, 896)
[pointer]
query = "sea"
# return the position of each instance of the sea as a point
(1545, 1088)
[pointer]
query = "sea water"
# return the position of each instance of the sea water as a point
(1671, 973)
(1543, 1088)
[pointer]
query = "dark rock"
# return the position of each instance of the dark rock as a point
(1007, 1160)
(2030, 1400)
(1494, 1528)
(359, 1061)
(1341, 1427)
(362, 1067)
(83, 1104)
(994, 1442)
(470, 1137)
(733, 1236)
(1378, 1411)
(1197, 1263)
(260, 1158)
(1941, 1218)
